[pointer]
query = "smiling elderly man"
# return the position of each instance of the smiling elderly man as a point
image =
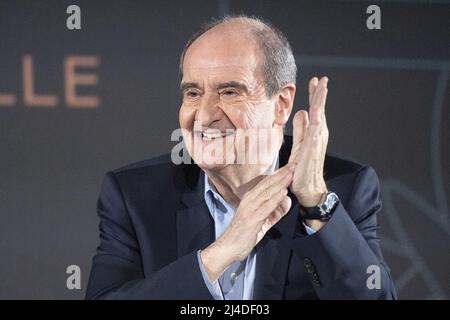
(296, 224)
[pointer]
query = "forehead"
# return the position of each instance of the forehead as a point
(219, 54)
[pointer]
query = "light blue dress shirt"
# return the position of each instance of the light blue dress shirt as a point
(236, 282)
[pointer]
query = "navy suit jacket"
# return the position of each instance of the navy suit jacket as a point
(154, 219)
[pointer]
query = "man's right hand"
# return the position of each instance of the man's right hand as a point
(259, 210)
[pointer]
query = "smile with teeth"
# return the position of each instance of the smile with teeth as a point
(215, 134)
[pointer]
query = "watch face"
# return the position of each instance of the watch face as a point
(324, 210)
(330, 202)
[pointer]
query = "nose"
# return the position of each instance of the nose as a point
(209, 110)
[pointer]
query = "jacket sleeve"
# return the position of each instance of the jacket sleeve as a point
(117, 271)
(344, 257)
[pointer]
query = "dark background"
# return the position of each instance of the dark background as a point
(388, 107)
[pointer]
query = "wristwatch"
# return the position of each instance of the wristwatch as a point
(324, 210)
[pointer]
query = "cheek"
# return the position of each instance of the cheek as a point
(237, 115)
(186, 116)
(250, 115)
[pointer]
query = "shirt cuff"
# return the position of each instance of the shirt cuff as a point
(309, 230)
(213, 287)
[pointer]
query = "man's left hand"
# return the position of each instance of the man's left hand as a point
(310, 139)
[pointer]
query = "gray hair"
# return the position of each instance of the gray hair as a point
(278, 63)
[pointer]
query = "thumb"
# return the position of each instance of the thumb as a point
(299, 124)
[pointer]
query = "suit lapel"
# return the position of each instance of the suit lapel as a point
(274, 250)
(273, 255)
(195, 226)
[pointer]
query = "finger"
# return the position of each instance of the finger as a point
(323, 83)
(276, 188)
(266, 208)
(281, 176)
(323, 96)
(272, 185)
(317, 109)
(312, 88)
(299, 125)
(275, 216)
(280, 211)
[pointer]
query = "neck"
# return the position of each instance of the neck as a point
(234, 181)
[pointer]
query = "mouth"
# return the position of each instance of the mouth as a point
(212, 135)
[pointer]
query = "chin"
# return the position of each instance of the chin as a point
(212, 166)
(214, 163)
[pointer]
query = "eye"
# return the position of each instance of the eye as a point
(192, 94)
(228, 93)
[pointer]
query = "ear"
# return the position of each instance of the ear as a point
(284, 100)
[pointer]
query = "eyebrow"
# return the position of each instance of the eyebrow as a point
(230, 84)
(188, 85)
(233, 84)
